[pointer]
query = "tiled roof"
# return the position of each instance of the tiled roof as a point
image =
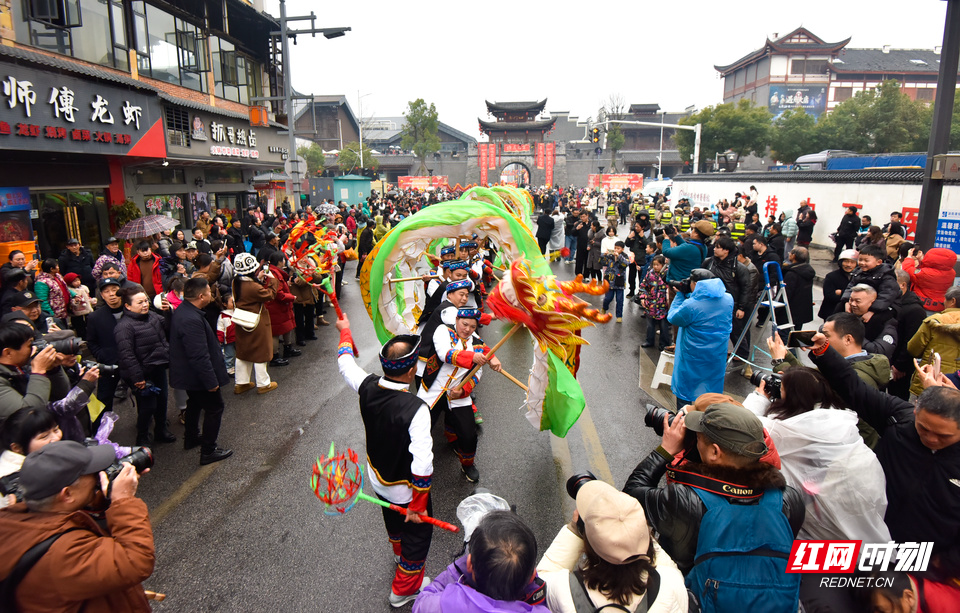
(811, 43)
(58, 63)
(516, 106)
(500, 126)
(814, 176)
(896, 60)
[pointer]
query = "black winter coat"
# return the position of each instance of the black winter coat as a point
(256, 236)
(736, 279)
(849, 224)
(141, 344)
(883, 279)
(923, 499)
(675, 511)
(100, 338)
(832, 282)
(799, 281)
(910, 314)
(778, 243)
(81, 264)
(805, 223)
(235, 240)
(545, 225)
(196, 362)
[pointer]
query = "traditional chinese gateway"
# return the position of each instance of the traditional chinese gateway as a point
(148, 101)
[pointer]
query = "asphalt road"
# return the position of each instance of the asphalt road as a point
(247, 534)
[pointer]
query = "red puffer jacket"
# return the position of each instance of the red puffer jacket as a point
(281, 308)
(935, 276)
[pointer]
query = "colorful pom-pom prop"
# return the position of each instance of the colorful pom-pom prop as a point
(337, 480)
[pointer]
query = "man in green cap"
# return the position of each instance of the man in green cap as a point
(716, 471)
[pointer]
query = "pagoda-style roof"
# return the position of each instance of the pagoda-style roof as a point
(800, 40)
(514, 107)
(644, 109)
(489, 127)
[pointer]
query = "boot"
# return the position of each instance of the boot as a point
(290, 352)
(278, 361)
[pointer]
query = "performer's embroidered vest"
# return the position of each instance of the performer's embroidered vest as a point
(387, 414)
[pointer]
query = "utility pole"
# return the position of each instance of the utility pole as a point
(285, 34)
(932, 189)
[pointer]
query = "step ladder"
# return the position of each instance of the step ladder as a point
(772, 299)
(660, 376)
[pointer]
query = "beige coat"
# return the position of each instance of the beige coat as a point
(255, 346)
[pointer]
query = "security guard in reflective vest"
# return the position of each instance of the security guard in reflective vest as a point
(684, 223)
(738, 230)
(666, 216)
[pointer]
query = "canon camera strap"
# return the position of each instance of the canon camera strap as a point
(716, 486)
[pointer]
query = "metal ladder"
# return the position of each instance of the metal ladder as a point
(772, 301)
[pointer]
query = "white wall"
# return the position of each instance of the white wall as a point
(829, 200)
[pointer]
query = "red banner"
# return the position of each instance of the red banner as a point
(539, 155)
(492, 155)
(616, 182)
(515, 148)
(421, 183)
(483, 164)
(551, 158)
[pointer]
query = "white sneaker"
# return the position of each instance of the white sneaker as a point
(398, 601)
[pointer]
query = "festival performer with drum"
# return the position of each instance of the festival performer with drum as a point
(460, 349)
(399, 452)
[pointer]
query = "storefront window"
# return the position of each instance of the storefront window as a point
(91, 30)
(64, 215)
(223, 175)
(160, 176)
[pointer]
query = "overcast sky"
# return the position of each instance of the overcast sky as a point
(456, 54)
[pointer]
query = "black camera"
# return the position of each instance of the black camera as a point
(772, 381)
(141, 458)
(654, 418)
(10, 484)
(682, 286)
(105, 369)
(575, 482)
(669, 229)
(66, 346)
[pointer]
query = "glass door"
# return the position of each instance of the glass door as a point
(65, 215)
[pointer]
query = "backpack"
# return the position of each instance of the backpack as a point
(583, 604)
(742, 553)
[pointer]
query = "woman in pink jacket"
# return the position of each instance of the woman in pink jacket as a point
(931, 275)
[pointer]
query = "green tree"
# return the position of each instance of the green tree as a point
(615, 142)
(349, 158)
(421, 131)
(314, 157)
(882, 120)
(794, 133)
(740, 127)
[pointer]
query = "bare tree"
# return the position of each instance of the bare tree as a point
(614, 107)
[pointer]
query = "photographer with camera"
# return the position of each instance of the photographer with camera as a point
(57, 556)
(822, 454)
(28, 379)
(750, 508)
(606, 557)
(703, 313)
(919, 451)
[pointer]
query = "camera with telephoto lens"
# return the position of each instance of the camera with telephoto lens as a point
(575, 482)
(654, 418)
(141, 458)
(682, 286)
(66, 346)
(772, 381)
(669, 229)
(105, 369)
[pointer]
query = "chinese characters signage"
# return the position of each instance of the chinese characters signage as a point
(14, 199)
(156, 203)
(43, 111)
(948, 231)
(221, 137)
(847, 556)
(421, 183)
(616, 182)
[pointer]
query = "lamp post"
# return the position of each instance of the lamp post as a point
(360, 124)
(660, 155)
(285, 34)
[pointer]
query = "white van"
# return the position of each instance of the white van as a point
(652, 188)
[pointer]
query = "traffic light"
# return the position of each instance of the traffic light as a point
(595, 135)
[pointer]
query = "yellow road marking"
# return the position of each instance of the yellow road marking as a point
(595, 455)
(171, 503)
